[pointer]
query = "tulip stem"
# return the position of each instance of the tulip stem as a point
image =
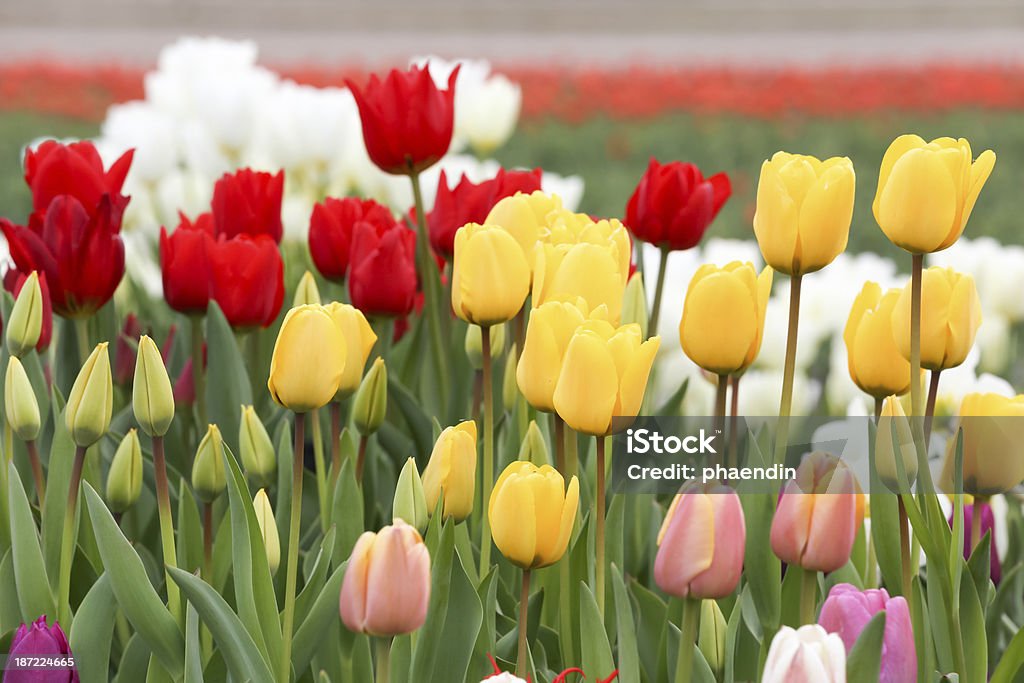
(559, 439)
(599, 512)
(572, 457)
(321, 469)
(659, 290)
(163, 500)
(198, 376)
(929, 407)
(786, 405)
(917, 267)
(808, 595)
(205, 635)
(361, 457)
(905, 561)
(734, 416)
(67, 548)
(478, 392)
(488, 388)
(383, 672)
(82, 337)
(37, 471)
(879, 402)
(335, 443)
(687, 640)
(524, 616)
(976, 521)
(294, 528)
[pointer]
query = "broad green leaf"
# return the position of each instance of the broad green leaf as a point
(58, 480)
(597, 652)
(323, 611)
(1012, 662)
(92, 632)
(317, 577)
(10, 611)
(429, 641)
(347, 514)
(34, 594)
(190, 530)
(628, 651)
(461, 625)
(193, 649)
(415, 417)
(865, 660)
(227, 378)
(972, 630)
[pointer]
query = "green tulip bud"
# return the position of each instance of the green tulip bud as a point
(208, 478)
(474, 344)
(711, 638)
(410, 504)
(26, 321)
(634, 303)
(124, 481)
(91, 401)
(371, 402)
(152, 396)
(268, 529)
(258, 456)
(534, 448)
(306, 292)
(20, 402)
(509, 387)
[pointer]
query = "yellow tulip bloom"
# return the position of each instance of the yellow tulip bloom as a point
(950, 317)
(927, 190)
(876, 365)
(308, 361)
(452, 469)
(524, 216)
(893, 422)
(359, 341)
(993, 429)
(490, 275)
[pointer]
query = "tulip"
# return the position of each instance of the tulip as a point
(306, 292)
(248, 280)
(185, 264)
(534, 448)
(893, 423)
(846, 613)
(407, 120)
(548, 332)
(451, 471)
(40, 640)
(876, 364)
(809, 654)
(90, 403)
(674, 204)
(13, 282)
(124, 480)
(986, 526)
(474, 344)
(185, 386)
(927, 190)
(525, 216)
(152, 396)
(711, 638)
(208, 476)
(268, 529)
(634, 304)
(531, 514)
(386, 588)
(382, 273)
(816, 519)
(258, 455)
(53, 169)
(490, 275)
(332, 226)
(804, 208)
(410, 501)
(723, 316)
(950, 317)
(359, 341)
(470, 202)
(124, 350)
(993, 434)
(308, 360)
(701, 544)
(20, 405)
(370, 405)
(603, 375)
(248, 202)
(25, 323)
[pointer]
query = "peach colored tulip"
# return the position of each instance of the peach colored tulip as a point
(387, 583)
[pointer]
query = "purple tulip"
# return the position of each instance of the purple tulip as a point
(988, 523)
(848, 610)
(40, 641)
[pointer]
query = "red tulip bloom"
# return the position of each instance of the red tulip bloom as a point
(185, 264)
(470, 202)
(383, 280)
(53, 169)
(330, 231)
(13, 282)
(407, 120)
(674, 204)
(248, 279)
(124, 349)
(248, 202)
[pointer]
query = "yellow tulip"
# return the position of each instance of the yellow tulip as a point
(20, 405)
(308, 361)
(474, 344)
(452, 469)
(723, 316)
(25, 323)
(306, 292)
(892, 423)
(604, 375)
(531, 514)
(91, 401)
(804, 208)
(490, 275)
(152, 396)
(950, 317)
(592, 272)
(927, 190)
(875, 362)
(359, 341)
(993, 429)
(524, 216)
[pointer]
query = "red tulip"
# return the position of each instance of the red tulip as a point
(470, 202)
(248, 202)
(674, 204)
(185, 262)
(382, 278)
(331, 227)
(248, 279)
(184, 390)
(407, 120)
(13, 282)
(53, 169)
(124, 349)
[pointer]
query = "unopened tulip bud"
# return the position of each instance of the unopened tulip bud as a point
(474, 344)
(452, 471)
(20, 402)
(152, 395)
(25, 323)
(91, 400)
(509, 387)
(371, 402)
(534, 448)
(307, 292)
(711, 638)
(268, 529)
(258, 456)
(894, 439)
(634, 303)
(208, 477)
(124, 481)
(410, 502)
(809, 653)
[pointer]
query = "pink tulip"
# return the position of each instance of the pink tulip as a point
(817, 518)
(701, 544)
(847, 611)
(387, 583)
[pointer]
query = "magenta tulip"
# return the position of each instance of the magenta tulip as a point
(988, 524)
(39, 640)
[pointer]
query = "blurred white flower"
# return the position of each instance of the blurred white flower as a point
(723, 251)
(957, 382)
(998, 271)
(149, 131)
(993, 341)
(296, 208)
(569, 188)
(761, 391)
(142, 264)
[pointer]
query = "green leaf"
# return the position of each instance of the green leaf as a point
(1012, 662)
(58, 481)
(597, 652)
(347, 514)
(415, 417)
(190, 530)
(865, 660)
(885, 535)
(227, 378)
(34, 594)
(193, 649)
(429, 642)
(461, 626)
(317, 577)
(92, 631)
(972, 630)
(765, 583)
(628, 650)
(322, 612)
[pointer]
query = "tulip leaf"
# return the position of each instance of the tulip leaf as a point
(1012, 661)
(34, 594)
(865, 660)
(322, 612)
(461, 625)
(134, 661)
(317, 576)
(597, 652)
(134, 593)
(58, 480)
(765, 584)
(190, 530)
(415, 417)
(924, 644)
(651, 614)
(193, 650)
(10, 612)
(233, 640)
(978, 565)
(92, 631)
(972, 630)
(347, 514)
(487, 592)
(625, 626)
(227, 378)
(429, 643)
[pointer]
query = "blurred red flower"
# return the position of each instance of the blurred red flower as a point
(53, 169)
(247, 279)
(382, 279)
(185, 263)
(330, 231)
(248, 202)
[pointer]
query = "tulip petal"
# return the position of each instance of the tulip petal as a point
(587, 385)
(918, 205)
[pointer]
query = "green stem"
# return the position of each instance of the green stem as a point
(599, 512)
(572, 458)
(198, 373)
(383, 673)
(321, 469)
(976, 521)
(82, 337)
(559, 439)
(808, 595)
(786, 404)
(206, 636)
(163, 500)
(929, 407)
(294, 528)
(364, 439)
(734, 414)
(905, 555)
(37, 471)
(687, 640)
(522, 663)
(917, 267)
(721, 408)
(335, 443)
(659, 289)
(67, 546)
(488, 389)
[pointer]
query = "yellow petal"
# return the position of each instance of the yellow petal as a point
(918, 204)
(587, 385)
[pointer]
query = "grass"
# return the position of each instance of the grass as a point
(611, 156)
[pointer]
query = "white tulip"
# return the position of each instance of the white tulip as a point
(807, 655)
(503, 677)
(150, 132)
(304, 129)
(488, 119)
(569, 188)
